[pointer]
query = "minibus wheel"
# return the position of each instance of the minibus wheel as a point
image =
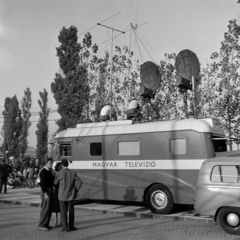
(229, 220)
(159, 199)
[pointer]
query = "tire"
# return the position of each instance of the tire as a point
(159, 199)
(229, 220)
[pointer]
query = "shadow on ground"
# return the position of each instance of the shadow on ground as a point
(178, 208)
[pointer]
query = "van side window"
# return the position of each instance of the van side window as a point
(226, 174)
(178, 146)
(65, 150)
(96, 149)
(129, 148)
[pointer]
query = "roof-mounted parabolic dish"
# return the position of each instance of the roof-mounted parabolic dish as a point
(188, 68)
(150, 79)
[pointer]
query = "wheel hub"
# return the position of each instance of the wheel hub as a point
(233, 219)
(159, 199)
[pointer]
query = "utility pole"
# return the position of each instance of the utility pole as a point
(194, 102)
(113, 29)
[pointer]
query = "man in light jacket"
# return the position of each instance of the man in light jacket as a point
(133, 110)
(69, 184)
(105, 113)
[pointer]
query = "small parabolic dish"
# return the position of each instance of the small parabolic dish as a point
(187, 66)
(150, 79)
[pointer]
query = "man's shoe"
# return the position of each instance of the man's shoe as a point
(64, 230)
(43, 228)
(49, 227)
(73, 229)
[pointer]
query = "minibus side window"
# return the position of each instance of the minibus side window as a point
(96, 149)
(65, 150)
(226, 174)
(129, 148)
(178, 146)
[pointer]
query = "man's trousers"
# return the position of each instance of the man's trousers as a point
(64, 207)
(46, 208)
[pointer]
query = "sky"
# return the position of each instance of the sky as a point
(29, 32)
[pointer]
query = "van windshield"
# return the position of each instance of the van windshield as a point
(219, 144)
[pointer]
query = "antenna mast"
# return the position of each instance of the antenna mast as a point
(113, 29)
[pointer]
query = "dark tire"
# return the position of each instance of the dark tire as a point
(229, 220)
(159, 199)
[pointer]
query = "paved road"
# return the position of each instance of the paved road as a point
(19, 213)
(19, 222)
(30, 197)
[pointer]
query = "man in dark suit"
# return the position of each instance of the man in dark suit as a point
(46, 193)
(4, 172)
(69, 184)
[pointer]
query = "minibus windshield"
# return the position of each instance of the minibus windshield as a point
(219, 144)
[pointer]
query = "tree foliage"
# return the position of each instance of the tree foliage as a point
(118, 87)
(99, 93)
(89, 82)
(167, 96)
(125, 79)
(26, 104)
(71, 89)
(223, 94)
(12, 126)
(88, 60)
(42, 126)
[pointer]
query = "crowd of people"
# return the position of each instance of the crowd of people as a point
(58, 191)
(18, 174)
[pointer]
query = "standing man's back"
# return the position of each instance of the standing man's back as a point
(69, 183)
(66, 185)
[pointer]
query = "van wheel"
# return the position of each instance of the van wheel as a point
(159, 199)
(229, 220)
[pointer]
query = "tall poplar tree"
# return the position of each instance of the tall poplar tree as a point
(12, 126)
(42, 126)
(70, 89)
(26, 104)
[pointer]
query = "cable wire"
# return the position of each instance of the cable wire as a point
(32, 115)
(144, 47)
(35, 121)
(138, 45)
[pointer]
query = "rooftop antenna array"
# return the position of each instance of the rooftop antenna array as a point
(113, 29)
